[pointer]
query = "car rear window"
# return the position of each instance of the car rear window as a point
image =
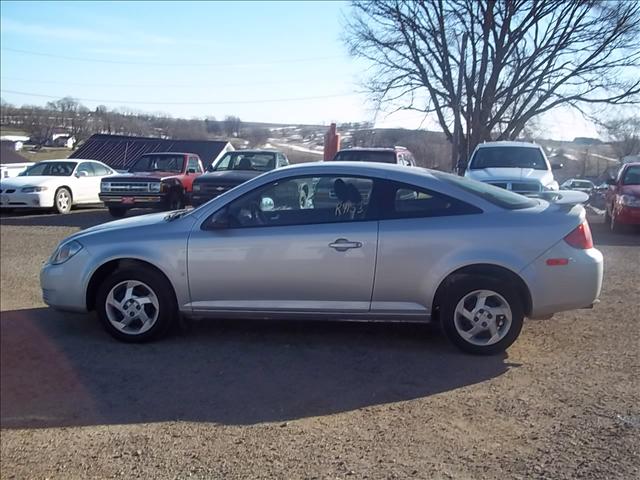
(508, 157)
(378, 156)
(495, 195)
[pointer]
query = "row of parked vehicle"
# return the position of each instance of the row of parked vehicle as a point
(169, 181)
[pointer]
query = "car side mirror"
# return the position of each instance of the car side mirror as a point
(81, 173)
(557, 166)
(191, 171)
(220, 220)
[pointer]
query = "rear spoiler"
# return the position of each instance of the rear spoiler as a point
(563, 197)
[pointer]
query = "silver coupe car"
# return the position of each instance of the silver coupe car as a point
(367, 241)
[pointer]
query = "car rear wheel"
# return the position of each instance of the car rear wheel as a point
(62, 201)
(136, 305)
(481, 315)
(117, 212)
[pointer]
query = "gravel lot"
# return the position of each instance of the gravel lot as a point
(311, 400)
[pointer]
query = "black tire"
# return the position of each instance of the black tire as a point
(175, 201)
(460, 287)
(160, 286)
(117, 212)
(62, 201)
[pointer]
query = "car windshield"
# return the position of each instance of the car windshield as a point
(508, 157)
(50, 169)
(257, 161)
(378, 156)
(632, 176)
(159, 163)
(498, 196)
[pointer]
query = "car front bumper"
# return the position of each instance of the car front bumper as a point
(27, 200)
(627, 215)
(133, 201)
(64, 286)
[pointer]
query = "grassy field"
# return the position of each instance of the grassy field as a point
(45, 154)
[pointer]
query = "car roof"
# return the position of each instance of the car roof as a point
(256, 150)
(505, 143)
(372, 149)
(375, 169)
(168, 153)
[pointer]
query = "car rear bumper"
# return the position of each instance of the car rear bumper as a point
(557, 288)
(133, 201)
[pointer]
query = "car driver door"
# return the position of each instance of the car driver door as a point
(297, 245)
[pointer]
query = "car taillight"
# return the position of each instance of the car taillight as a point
(580, 237)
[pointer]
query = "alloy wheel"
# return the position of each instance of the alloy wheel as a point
(483, 317)
(132, 307)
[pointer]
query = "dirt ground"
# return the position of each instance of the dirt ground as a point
(312, 400)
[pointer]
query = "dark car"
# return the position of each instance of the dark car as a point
(233, 169)
(397, 155)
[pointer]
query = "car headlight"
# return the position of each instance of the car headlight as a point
(65, 251)
(629, 200)
(33, 189)
(105, 186)
(196, 187)
(154, 187)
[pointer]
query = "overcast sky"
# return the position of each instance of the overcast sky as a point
(263, 61)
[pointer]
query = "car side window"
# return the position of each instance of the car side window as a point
(194, 164)
(408, 201)
(86, 167)
(304, 201)
(282, 160)
(100, 170)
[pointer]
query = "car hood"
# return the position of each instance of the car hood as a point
(125, 223)
(143, 176)
(35, 180)
(630, 190)
(229, 176)
(545, 177)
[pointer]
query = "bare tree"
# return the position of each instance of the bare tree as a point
(625, 136)
(485, 68)
(39, 123)
(257, 136)
(232, 125)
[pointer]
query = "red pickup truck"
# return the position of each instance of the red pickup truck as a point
(156, 180)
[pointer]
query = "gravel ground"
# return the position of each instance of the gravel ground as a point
(312, 400)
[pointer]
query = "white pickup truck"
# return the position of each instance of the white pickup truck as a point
(518, 166)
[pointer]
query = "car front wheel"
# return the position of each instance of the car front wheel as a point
(136, 304)
(62, 201)
(481, 315)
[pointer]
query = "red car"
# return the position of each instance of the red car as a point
(623, 197)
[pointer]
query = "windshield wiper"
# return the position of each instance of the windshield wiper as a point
(177, 214)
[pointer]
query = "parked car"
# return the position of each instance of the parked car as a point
(517, 166)
(623, 197)
(233, 169)
(397, 155)
(579, 185)
(156, 180)
(10, 170)
(421, 246)
(57, 184)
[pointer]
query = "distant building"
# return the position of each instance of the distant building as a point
(63, 140)
(11, 162)
(120, 151)
(15, 142)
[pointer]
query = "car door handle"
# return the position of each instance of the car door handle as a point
(342, 245)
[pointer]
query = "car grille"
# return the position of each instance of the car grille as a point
(215, 189)
(129, 187)
(519, 187)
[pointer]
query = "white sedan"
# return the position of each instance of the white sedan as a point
(57, 184)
